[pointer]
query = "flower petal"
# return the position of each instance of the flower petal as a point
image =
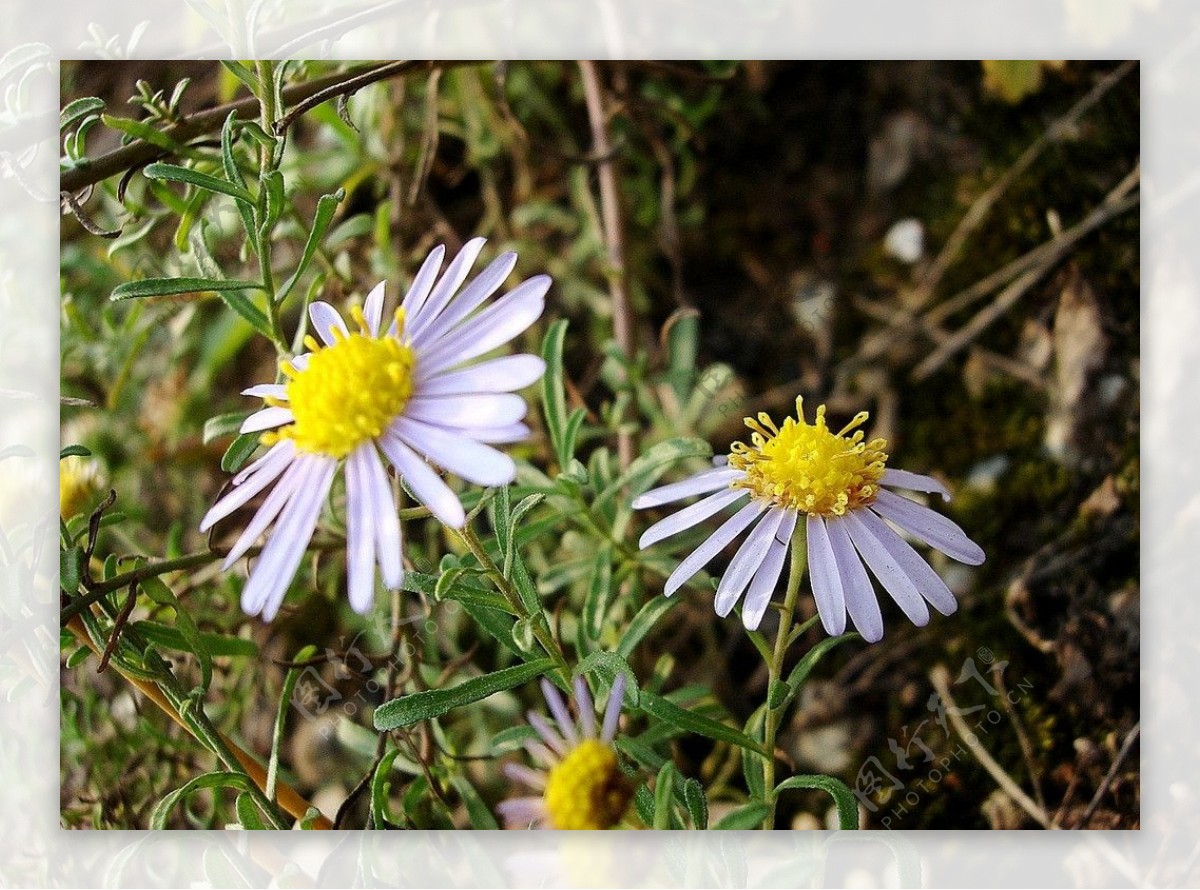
(690, 516)
(266, 419)
(709, 480)
(518, 772)
(932, 587)
(462, 456)
(497, 435)
(915, 482)
(360, 533)
(933, 528)
(758, 597)
(283, 450)
(703, 554)
(485, 284)
(426, 484)
(587, 708)
(373, 308)
(826, 581)
(477, 410)
(558, 707)
(296, 476)
(505, 374)
(747, 561)
(422, 283)
(493, 327)
(612, 708)
(456, 273)
(549, 735)
(387, 523)
(524, 812)
(238, 495)
(267, 391)
(856, 586)
(887, 570)
(325, 320)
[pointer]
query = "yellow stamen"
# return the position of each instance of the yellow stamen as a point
(348, 393)
(586, 789)
(807, 467)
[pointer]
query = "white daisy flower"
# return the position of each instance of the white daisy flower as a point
(836, 482)
(579, 784)
(402, 391)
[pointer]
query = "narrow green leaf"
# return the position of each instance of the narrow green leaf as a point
(239, 452)
(749, 816)
(607, 665)
(165, 637)
(247, 813)
(80, 108)
(478, 813)
(234, 174)
(806, 664)
(165, 287)
(141, 130)
(554, 397)
(595, 606)
(70, 569)
(512, 738)
(160, 593)
(777, 694)
(381, 811)
(644, 622)
(272, 187)
(847, 804)
(326, 207)
(697, 803)
(432, 703)
(690, 721)
(285, 702)
(175, 173)
(664, 785)
(752, 761)
(643, 802)
(237, 781)
(223, 425)
(72, 451)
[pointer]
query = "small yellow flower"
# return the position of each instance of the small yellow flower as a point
(78, 482)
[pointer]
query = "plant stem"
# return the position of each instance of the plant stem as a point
(775, 665)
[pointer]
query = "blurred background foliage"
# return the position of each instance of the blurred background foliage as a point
(784, 229)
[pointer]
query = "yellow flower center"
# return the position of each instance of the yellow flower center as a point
(807, 467)
(586, 789)
(77, 484)
(348, 393)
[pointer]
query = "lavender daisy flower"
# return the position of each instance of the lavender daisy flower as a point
(402, 391)
(836, 482)
(580, 784)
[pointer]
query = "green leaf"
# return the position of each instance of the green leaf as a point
(247, 813)
(381, 811)
(806, 664)
(478, 813)
(175, 173)
(777, 694)
(272, 189)
(326, 207)
(141, 130)
(644, 471)
(234, 174)
(285, 702)
(166, 287)
(644, 622)
(70, 569)
(663, 787)
(434, 702)
(697, 803)
(160, 593)
(73, 451)
(165, 637)
(237, 781)
(554, 398)
(689, 721)
(643, 802)
(223, 425)
(607, 665)
(847, 804)
(512, 738)
(239, 452)
(749, 816)
(599, 590)
(80, 108)
(752, 762)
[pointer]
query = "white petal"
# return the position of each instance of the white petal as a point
(701, 483)
(747, 561)
(462, 456)
(488, 409)
(300, 473)
(915, 482)
(758, 597)
(425, 483)
(519, 772)
(826, 580)
(280, 451)
(266, 419)
(325, 319)
(456, 273)
(612, 708)
(267, 391)
(360, 534)
(484, 285)
(387, 523)
(505, 374)
(493, 327)
(932, 587)
(415, 298)
(932, 528)
(586, 708)
(887, 570)
(373, 308)
(703, 554)
(690, 516)
(856, 586)
(498, 435)
(524, 812)
(240, 494)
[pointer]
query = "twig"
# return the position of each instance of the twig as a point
(118, 625)
(941, 682)
(1022, 735)
(610, 211)
(1126, 747)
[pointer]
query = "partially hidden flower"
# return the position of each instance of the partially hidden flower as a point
(78, 483)
(403, 391)
(836, 482)
(578, 782)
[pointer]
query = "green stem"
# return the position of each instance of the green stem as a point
(775, 665)
(266, 163)
(541, 628)
(149, 570)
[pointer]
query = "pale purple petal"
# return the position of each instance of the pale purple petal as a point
(299, 475)
(915, 482)
(462, 456)
(551, 737)
(467, 411)
(932, 587)
(612, 709)
(496, 325)
(540, 753)
(266, 419)
(360, 533)
(856, 586)
(281, 451)
(241, 494)
(690, 516)
(325, 320)
(934, 529)
(518, 772)
(826, 580)
(499, 435)
(373, 308)
(558, 707)
(422, 283)
(456, 273)
(758, 597)
(483, 286)
(387, 523)
(426, 484)
(701, 483)
(587, 708)
(267, 391)
(719, 539)
(505, 374)
(528, 812)
(747, 561)
(887, 570)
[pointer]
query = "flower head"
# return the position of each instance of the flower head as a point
(400, 391)
(78, 482)
(838, 483)
(580, 782)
